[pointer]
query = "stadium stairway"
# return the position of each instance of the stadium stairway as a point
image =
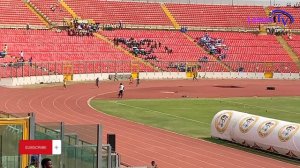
(220, 62)
(38, 13)
(289, 50)
(68, 8)
(267, 10)
(102, 37)
(170, 16)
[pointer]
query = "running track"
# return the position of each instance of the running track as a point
(139, 144)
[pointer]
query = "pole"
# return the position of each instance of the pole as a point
(31, 126)
(62, 133)
(99, 146)
(1, 152)
(109, 156)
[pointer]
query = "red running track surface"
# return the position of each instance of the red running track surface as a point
(139, 144)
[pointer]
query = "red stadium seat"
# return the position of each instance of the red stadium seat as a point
(111, 12)
(215, 15)
(248, 47)
(15, 12)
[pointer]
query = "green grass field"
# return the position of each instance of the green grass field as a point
(192, 117)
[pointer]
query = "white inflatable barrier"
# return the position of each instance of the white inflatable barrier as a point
(263, 133)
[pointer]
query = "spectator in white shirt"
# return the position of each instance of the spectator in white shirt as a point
(21, 54)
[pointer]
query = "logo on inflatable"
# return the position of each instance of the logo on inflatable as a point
(266, 128)
(222, 121)
(285, 133)
(247, 123)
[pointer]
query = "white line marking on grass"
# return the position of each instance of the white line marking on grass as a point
(182, 108)
(180, 134)
(262, 107)
(175, 116)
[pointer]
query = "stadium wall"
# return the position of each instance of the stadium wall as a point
(259, 132)
(33, 80)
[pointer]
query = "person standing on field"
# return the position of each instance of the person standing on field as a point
(195, 75)
(130, 80)
(121, 90)
(137, 81)
(97, 82)
(65, 82)
(116, 77)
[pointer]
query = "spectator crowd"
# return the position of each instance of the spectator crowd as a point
(180, 66)
(17, 62)
(215, 47)
(82, 28)
(3, 53)
(278, 31)
(145, 48)
(119, 25)
(289, 4)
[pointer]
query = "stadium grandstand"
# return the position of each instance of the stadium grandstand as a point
(52, 41)
(59, 37)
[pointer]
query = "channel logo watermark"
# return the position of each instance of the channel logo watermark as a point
(277, 16)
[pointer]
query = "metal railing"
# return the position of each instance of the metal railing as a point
(92, 67)
(20, 26)
(195, 28)
(76, 152)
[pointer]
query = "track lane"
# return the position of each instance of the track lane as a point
(133, 142)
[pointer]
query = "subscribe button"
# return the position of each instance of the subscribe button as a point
(46, 147)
